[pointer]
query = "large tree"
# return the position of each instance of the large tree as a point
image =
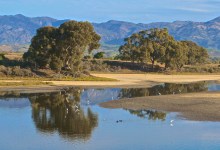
(157, 42)
(147, 46)
(196, 54)
(42, 46)
(176, 55)
(75, 38)
(62, 47)
(131, 49)
(158, 45)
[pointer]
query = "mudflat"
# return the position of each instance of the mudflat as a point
(195, 106)
(203, 106)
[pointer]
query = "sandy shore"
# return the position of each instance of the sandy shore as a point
(195, 106)
(124, 80)
(135, 79)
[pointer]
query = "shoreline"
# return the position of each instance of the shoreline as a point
(202, 106)
(123, 81)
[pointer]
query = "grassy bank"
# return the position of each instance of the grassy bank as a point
(25, 83)
(89, 78)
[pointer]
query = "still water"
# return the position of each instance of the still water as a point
(72, 120)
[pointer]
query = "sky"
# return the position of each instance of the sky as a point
(138, 11)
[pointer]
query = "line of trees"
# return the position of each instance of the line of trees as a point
(62, 48)
(157, 45)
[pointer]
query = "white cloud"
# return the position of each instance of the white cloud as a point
(194, 9)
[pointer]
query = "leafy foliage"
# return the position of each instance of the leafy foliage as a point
(63, 47)
(157, 45)
(99, 55)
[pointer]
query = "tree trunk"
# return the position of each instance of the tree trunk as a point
(152, 62)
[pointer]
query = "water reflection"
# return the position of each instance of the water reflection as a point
(149, 114)
(68, 113)
(62, 112)
(96, 96)
(164, 89)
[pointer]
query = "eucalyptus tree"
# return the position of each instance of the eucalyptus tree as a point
(131, 49)
(75, 38)
(42, 46)
(196, 54)
(158, 45)
(176, 55)
(156, 42)
(149, 45)
(62, 47)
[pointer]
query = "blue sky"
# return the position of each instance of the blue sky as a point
(137, 11)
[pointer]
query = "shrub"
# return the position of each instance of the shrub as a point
(16, 71)
(99, 55)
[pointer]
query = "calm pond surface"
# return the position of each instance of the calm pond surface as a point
(72, 120)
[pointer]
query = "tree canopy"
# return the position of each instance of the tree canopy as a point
(158, 45)
(62, 47)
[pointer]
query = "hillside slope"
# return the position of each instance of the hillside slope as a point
(19, 29)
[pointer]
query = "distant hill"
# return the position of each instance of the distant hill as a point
(19, 29)
(206, 34)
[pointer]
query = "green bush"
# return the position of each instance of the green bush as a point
(99, 55)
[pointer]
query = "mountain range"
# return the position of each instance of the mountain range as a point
(19, 29)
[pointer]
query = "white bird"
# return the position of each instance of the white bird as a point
(159, 93)
(171, 121)
(88, 102)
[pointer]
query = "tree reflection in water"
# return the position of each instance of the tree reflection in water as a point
(164, 89)
(150, 114)
(61, 112)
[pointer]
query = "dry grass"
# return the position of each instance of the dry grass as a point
(24, 83)
(89, 78)
(14, 56)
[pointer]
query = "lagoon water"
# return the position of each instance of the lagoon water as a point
(72, 120)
